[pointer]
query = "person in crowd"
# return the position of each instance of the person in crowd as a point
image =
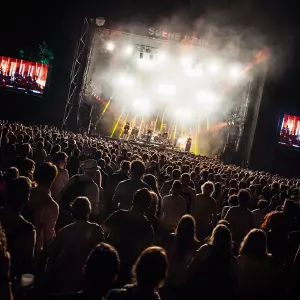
(140, 225)
(55, 149)
(5, 263)
(9, 175)
(20, 234)
(129, 231)
(150, 273)
(26, 168)
(24, 152)
(43, 210)
(277, 233)
(87, 184)
(99, 273)
(204, 211)
(125, 189)
(259, 276)
(240, 217)
(74, 162)
(165, 190)
(151, 181)
(187, 192)
(213, 271)
(173, 208)
(40, 153)
(120, 175)
(260, 213)
(181, 247)
(62, 178)
(232, 201)
(69, 250)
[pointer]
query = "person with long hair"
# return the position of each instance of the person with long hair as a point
(181, 247)
(257, 273)
(213, 271)
(149, 274)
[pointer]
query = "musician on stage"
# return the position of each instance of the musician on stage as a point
(126, 130)
(188, 144)
(149, 135)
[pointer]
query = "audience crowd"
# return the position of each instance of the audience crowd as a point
(96, 218)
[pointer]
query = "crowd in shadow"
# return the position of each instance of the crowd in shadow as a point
(93, 218)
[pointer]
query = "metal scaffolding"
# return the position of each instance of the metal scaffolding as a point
(74, 98)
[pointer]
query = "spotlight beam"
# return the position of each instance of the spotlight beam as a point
(117, 123)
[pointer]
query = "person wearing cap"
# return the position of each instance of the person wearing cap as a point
(87, 184)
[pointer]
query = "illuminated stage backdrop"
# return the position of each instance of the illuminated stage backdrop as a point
(185, 83)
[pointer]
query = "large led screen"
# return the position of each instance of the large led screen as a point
(290, 131)
(22, 75)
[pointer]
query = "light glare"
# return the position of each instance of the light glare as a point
(110, 46)
(166, 89)
(128, 50)
(127, 81)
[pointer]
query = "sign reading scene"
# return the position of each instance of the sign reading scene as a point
(177, 37)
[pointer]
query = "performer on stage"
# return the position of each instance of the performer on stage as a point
(149, 135)
(126, 130)
(165, 134)
(134, 133)
(188, 144)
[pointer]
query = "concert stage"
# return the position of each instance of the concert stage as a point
(199, 86)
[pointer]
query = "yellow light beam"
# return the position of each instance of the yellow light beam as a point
(122, 129)
(207, 123)
(106, 107)
(155, 123)
(117, 123)
(181, 133)
(162, 119)
(175, 129)
(140, 129)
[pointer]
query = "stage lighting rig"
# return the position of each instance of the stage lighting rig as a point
(110, 46)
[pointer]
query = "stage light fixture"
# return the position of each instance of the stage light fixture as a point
(110, 46)
(235, 71)
(166, 89)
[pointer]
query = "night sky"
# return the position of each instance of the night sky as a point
(25, 24)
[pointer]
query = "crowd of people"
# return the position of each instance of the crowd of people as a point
(95, 218)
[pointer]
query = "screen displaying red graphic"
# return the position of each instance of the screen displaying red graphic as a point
(290, 131)
(22, 75)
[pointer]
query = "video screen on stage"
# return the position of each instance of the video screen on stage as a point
(22, 75)
(290, 131)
